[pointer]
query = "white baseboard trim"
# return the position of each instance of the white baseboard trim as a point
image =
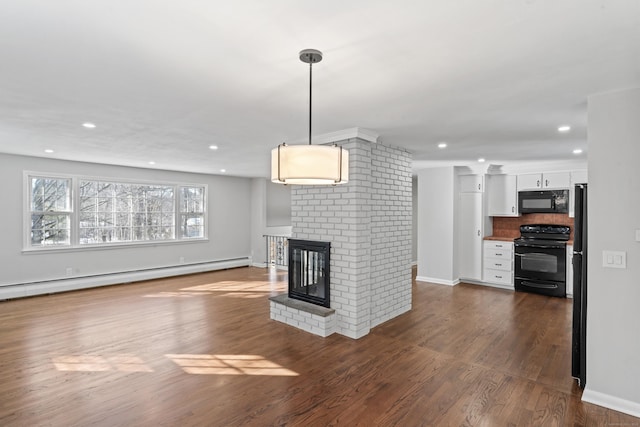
(611, 402)
(437, 281)
(72, 284)
(259, 264)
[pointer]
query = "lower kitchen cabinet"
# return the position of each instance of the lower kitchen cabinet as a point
(498, 263)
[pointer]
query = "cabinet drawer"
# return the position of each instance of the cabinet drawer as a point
(498, 253)
(498, 264)
(499, 277)
(497, 244)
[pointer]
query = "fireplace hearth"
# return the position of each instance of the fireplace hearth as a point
(309, 271)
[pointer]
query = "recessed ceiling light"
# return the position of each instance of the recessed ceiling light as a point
(152, 162)
(223, 170)
(564, 128)
(89, 125)
(577, 151)
(48, 150)
(213, 147)
(442, 145)
(481, 159)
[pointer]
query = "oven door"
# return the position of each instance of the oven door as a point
(540, 261)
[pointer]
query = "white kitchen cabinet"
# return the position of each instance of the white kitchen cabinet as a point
(471, 231)
(570, 270)
(471, 183)
(502, 192)
(577, 177)
(544, 181)
(498, 263)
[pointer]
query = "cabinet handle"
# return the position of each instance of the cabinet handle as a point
(498, 246)
(513, 209)
(538, 183)
(478, 233)
(498, 277)
(546, 182)
(498, 264)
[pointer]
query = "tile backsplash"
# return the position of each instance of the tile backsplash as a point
(509, 227)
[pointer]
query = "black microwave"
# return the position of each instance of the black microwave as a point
(547, 201)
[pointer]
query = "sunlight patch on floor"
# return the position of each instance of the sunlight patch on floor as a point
(232, 288)
(233, 285)
(228, 364)
(93, 363)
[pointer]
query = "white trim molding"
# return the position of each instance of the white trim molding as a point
(342, 135)
(437, 281)
(611, 402)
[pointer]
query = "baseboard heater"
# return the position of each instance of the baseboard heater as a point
(20, 290)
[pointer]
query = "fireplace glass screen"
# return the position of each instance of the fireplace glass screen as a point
(309, 271)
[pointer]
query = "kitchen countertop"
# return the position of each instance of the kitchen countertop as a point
(502, 238)
(511, 239)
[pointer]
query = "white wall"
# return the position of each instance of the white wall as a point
(613, 315)
(437, 235)
(229, 208)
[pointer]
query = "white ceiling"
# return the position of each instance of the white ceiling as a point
(163, 80)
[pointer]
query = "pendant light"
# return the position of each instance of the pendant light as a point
(309, 164)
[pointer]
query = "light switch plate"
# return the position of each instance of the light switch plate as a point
(614, 259)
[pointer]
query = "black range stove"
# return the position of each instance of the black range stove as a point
(540, 259)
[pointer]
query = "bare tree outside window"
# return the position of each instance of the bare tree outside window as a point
(50, 211)
(110, 212)
(191, 212)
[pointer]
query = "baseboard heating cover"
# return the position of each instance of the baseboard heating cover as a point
(75, 283)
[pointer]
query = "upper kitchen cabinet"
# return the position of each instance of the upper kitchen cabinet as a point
(471, 183)
(544, 181)
(502, 195)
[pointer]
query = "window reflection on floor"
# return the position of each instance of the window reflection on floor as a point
(229, 364)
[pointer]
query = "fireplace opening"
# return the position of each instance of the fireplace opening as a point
(309, 271)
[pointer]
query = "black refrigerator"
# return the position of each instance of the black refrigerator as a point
(579, 335)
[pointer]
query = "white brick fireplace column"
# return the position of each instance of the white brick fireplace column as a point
(368, 222)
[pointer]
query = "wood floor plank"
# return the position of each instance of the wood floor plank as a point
(200, 350)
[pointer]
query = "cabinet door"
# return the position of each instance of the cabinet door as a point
(471, 183)
(529, 181)
(470, 248)
(556, 180)
(502, 195)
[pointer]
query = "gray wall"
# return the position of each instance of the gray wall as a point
(278, 204)
(228, 213)
(437, 238)
(613, 341)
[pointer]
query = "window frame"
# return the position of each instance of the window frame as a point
(74, 215)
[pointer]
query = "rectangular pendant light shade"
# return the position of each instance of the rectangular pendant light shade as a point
(309, 164)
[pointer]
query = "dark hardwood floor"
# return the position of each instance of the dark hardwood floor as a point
(200, 350)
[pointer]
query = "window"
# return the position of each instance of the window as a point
(104, 212)
(191, 212)
(50, 206)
